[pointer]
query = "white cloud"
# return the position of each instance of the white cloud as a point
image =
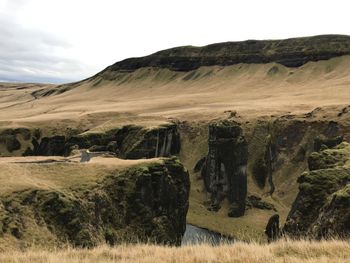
(71, 40)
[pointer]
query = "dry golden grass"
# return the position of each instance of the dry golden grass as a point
(20, 173)
(152, 95)
(282, 251)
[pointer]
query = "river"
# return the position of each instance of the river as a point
(196, 235)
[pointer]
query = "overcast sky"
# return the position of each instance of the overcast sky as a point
(67, 40)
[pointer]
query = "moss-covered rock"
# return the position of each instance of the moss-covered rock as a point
(146, 203)
(12, 144)
(320, 194)
(141, 142)
(329, 158)
(225, 169)
(9, 139)
(334, 217)
(15, 140)
(127, 142)
(325, 142)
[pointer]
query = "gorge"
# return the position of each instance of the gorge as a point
(251, 133)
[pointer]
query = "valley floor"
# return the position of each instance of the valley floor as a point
(282, 251)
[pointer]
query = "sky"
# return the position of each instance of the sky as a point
(59, 41)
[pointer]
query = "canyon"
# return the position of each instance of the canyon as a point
(258, 128)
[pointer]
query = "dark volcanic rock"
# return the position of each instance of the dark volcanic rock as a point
(127, 142)
(225, 169)
(52, 146)
(321, 208)
(272, 229)
(146, 203)
(289, 52)
(334, 218)
(9, 138)
(199, 165)
(149, 143)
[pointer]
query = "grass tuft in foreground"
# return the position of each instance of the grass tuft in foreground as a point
(282, 251)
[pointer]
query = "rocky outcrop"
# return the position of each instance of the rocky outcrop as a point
(148, 143)
(224, 173)
(133, 142)
(334, 218)
(278, 145)
(9, 138)
(322, 142)
(321, 208)
(272, 230)
(50, 146)
(127, 142)
(262, 154)
(289, 52)
(146, 203)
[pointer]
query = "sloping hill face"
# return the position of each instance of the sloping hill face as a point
(290, 53)
(283, 96)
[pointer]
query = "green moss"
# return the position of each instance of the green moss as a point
(329, 158)
(324, 179)
(342, 197)
(324, 195)
(147, 202)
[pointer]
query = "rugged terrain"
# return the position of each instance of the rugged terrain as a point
(54, 202)
(247, 119)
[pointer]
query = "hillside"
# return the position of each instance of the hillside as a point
(283, 95)
(292, 52)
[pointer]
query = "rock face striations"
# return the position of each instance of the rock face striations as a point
(224, 172)
(127, 142)
(289, 52)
